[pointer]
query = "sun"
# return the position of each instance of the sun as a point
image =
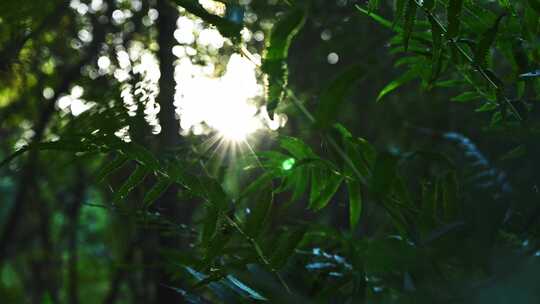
(224, 105)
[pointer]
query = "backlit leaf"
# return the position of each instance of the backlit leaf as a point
(466, 96)
(111, 167)
(133, 180)
(274, 62)
(156, 191)
(285, 247)
(408, 76)
(332, 97)
(486, 41)
(259, 213)
(296, 147)
(324, 186)
(382, 21)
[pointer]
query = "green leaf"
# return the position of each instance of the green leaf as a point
(453, 15)
(466, 96)
(258, 184)
(382, 21)
(368, 151)
(285, 247)
(517, 152)
(436, 59)
(486, 41)
(358, 151)
(133, 180)
(487, 106)
(111, 167)
(408, 76)
(210, 224)
(274, 63)
(216, 195)
(355, 203)
(332, 97)
(323, 187)
(259, 213)
(141, 154)
(301, 179)
(156, 191)
(296, 147)
(410, 20)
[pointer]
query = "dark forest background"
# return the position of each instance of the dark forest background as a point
(395, 161)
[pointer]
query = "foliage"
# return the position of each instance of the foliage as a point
(413, 212)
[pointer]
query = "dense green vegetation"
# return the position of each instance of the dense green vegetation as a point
(281, 151)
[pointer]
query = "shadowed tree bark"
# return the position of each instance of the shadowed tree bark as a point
(169, 136)
(73, 214)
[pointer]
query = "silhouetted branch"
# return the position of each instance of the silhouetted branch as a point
(169, 137)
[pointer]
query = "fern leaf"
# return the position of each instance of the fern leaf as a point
(275, 56)
(408, 76)
(334, 94)
(410, 20)
(133, 180)
(109, 168)
(155, 192)
(399, 11)
(466, 96)
(487, 40)
(436, 59)
(377, 18)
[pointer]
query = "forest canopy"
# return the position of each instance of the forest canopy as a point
(280, 151)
